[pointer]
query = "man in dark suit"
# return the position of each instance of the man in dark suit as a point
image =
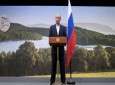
(57, 30)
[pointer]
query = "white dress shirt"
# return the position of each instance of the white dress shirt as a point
(58, 28)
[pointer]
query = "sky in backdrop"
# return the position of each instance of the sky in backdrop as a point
(30, 15)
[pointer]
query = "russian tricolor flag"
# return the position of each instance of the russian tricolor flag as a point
(71, 36)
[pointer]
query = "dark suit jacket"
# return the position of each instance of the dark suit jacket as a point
(53, 31)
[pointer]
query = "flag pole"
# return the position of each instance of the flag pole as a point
(70, 81)
(70, 70)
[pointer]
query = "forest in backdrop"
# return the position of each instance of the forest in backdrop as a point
(28, 60)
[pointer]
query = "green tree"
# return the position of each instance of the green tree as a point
(4, 69)
(43, 62)
(91, 60)
(26, 57)
(111, 52)
(11, 63)
(80, 60)
(101, 58)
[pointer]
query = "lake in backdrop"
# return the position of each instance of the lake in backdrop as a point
(12, 46)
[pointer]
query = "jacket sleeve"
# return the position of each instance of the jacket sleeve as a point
(50, 31)
(65, 31)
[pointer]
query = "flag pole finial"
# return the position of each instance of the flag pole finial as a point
(69, 2)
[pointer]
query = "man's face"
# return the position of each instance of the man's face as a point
(58, 19)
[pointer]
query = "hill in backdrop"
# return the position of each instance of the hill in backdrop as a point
(85, 36)
(105, 29)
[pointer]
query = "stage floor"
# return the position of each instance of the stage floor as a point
(45, 81)
(49, 84)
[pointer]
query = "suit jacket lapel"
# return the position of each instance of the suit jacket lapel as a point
(55, 29)
(60, 30)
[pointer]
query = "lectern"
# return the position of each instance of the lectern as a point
(57, 41)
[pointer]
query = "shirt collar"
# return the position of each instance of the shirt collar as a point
(57, 25)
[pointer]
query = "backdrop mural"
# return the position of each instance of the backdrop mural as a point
(24, 48)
